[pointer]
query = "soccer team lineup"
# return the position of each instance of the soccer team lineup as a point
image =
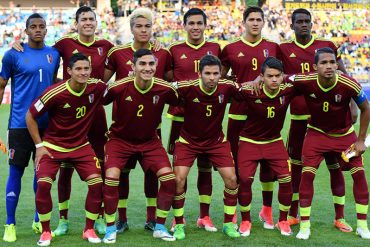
(60, 125)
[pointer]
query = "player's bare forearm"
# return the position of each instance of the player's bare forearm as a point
(33, 128)
(107, 75)
(364, 120)
(168, 76)
(224, 71)
(3, 83)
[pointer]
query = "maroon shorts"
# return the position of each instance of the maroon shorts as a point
(219, 154)
(97, 132)
(83, 160)
(317, 145)
(271, 154)
(297, 132)
(153, 155)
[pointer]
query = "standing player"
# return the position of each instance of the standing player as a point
(31, 72)
(71, 105)
(260, 140)
(186, 56)
(330, 130)
(298, 56)
(139, 101)
(245, 57)
(205, 100)
(119, 61)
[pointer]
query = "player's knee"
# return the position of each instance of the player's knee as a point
(245, 180)
(231, 182)
(44, 185)
(113, 173)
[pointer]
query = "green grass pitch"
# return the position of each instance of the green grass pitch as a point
(323, 232)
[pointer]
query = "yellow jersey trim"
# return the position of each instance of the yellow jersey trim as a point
(300, 117)
(251, 44)
(333, 135)
(61, 149)
(244, 139)
(78, 94)
(145, 90)
(238, 117)
(329, 88)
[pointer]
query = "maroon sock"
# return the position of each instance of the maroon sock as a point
(64, 188)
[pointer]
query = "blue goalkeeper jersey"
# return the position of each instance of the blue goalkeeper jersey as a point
(31, 72)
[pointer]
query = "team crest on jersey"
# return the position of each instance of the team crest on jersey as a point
(155, 99)
(221, 98)
(49, 57)
(338, 98)
(11, 153)
(209, 53)
(91, 98)
(282, 100)
(266, 52)
(100, 51)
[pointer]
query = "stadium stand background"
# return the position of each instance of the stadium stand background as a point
(348, 27)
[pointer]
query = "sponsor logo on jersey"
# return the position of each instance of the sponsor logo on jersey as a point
(338, 98)
(221, 98)
(183, 56)
(258, 101)
(128, 98)
(75, 51)
(155, 99)
(91, 98)
(240, 54)
(313, 95)
(129, 62)
(49, 57)
(196, 100)
(266, 52)
(100, 51)
(292, 55)
(66, 106)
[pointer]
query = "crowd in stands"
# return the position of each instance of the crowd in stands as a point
(224, 24)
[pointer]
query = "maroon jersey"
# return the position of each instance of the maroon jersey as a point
(120, 58)
(245, 60)
(70, 113)
(204, 111)
(329, 108)
(299, 58)
(266, 113)
(96, 51)
(138, 112)
(186, 58)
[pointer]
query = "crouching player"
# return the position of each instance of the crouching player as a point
(260, 141)
(204, 101)
(139, 105)
(71, 106)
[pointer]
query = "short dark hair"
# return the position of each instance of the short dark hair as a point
(33, 16)
(83, 9)
(272, 63)
(195, 11)
(77, 57)
(322, 51)
(252, 9)
(209, 60)
(140, 53)
(300, 11)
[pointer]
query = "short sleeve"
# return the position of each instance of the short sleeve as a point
(7, 67)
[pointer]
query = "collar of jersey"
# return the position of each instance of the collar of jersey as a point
(329, 88)
(249, 43)
(78, 94)
(150, 46)
(84, 43)
(145, 90)
(196, 47)
(306, 45)
(271, 96)
(203, 90)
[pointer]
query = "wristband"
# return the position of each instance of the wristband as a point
(39, 145)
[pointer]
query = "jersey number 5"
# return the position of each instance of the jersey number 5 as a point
(209, 110)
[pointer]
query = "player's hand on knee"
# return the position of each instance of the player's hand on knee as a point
(359, 147)
(18, 46)
(40, 152)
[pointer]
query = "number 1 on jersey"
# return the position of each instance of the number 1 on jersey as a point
(40, 70)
